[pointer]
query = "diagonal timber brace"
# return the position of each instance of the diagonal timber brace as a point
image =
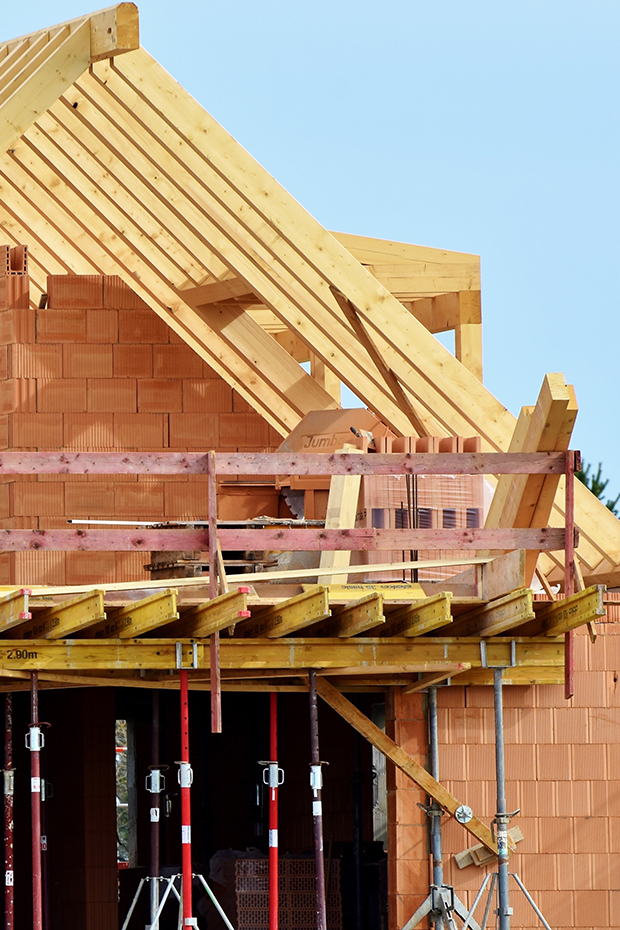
(401, 759)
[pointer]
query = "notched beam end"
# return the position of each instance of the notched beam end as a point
(114, 31)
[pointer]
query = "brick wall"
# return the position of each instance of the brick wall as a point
(98, 370)
(562, 770)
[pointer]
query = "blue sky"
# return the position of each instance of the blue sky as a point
(477, 126)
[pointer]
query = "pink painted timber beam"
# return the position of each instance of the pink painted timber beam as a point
(281, 463)
(282, 539)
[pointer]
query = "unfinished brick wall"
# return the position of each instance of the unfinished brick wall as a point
(562, 770)
(98, 370)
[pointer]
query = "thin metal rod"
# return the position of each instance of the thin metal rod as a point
(487, 908)
(476, 900)
(166, 893)
(186, 814)
(501, 819)
(133, 904)
(155, 812)
(569, 570)
(317, 806)
(35, 804)
(273, 812)
(531, 900)
(9, 780)
(214, 639)
(216, 903)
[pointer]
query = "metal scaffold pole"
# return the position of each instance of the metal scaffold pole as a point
(9, 780)
(34, 741)
(501, 818)
(185, 781)
(316, 784)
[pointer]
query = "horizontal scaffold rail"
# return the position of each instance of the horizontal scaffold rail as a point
(366, 539)
(283, 463)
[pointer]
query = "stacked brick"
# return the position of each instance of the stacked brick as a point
(98, 370)
(297, 894)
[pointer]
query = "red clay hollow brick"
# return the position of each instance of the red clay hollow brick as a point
(111, 395)
(61, 325)
(119, 296)
(72, 290)
(87, 361)
(141, 326)
(89, 431)
(162, 395)
(133, 361)
(61, 395)
(37, 430)
(176, 361)
(35, 361)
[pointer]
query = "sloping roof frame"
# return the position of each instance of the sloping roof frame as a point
(113, 168)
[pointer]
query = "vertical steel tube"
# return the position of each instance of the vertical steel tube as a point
(503, 895)
(435, 811)
(273, 812)
(569, 570)
(9, 888)
(316, 783)
(185, 780)
(155, 812)
(214, 639)
(357, 828)
(35, 803)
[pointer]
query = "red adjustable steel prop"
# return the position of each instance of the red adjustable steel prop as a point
(185, 781)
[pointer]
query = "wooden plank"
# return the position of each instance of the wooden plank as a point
(276, 463)
(356, 618)
(504, 574)
(421, 617)
(138, 618)
(498, 616)
(14, 608)
(358, 539)
(212, 616)
(66, 618)
(517, 497)
(468, 347)
(55, 73)
(289, 616)
(344, 491)
(401, 759)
